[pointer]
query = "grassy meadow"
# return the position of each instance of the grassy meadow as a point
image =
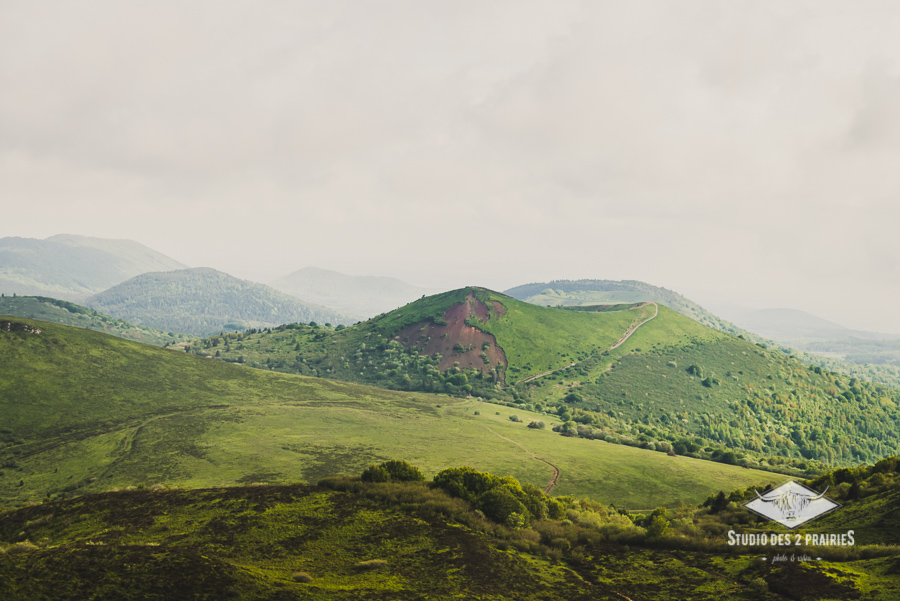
(85, 412)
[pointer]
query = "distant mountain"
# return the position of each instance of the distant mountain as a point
(69, 314)
(361, 296)
(203, 301)
(73, 267)
(791, 325)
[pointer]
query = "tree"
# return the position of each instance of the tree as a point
(657, 527)
(499, 503)
(375, 473)
(402, 471)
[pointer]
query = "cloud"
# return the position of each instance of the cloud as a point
(737, 151)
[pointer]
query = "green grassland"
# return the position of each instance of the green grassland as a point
(71, 314)
(673, 383)
(85, 412)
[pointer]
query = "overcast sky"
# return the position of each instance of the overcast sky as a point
(745, 153)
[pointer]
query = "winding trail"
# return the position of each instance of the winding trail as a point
(631, 330)
(555, 476)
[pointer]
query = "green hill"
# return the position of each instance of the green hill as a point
(73, 267)
(358, 296)
(203, 301)
(573, 293)
(70, 314)
(85, 412)
(674, 384)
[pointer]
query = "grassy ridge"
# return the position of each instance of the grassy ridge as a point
(86, 412)
(70, 314)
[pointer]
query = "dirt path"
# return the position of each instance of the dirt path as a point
(553, 479)
(631, 330)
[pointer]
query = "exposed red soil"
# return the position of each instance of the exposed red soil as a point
(432, 338)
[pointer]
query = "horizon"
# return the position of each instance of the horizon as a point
(735, 154)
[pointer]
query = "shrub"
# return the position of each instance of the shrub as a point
(536, 425)
(403, 471)
(395, 470)
(301, 577)
(375, 473)
(515, 418)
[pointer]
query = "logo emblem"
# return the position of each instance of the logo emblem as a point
(791, 504)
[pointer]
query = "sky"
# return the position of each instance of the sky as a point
(742, 153)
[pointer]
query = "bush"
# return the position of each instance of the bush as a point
(301, 577)
(536, 425)
(403, 471)
(375, 473)
(515, 418)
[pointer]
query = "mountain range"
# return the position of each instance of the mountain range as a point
(356, 296)
(73, 267)
(201, 301)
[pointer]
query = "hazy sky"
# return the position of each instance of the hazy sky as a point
(736, 152)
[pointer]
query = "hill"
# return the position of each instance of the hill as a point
(70, 314)
(672, 384)
(593, 292)
(202, 301)
(84, 412)
(73, 267)
(358, 296)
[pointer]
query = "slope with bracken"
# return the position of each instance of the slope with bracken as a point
(674, 384)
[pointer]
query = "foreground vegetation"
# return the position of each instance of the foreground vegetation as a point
(464, 534)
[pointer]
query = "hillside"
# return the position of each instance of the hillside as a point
(70, 314)
(84, 412)
(203, 301)
(358, 296)
(594, 292)
(465, 534)
(73, 267)
(673, 384)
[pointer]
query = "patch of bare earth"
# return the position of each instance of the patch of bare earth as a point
(432, 338)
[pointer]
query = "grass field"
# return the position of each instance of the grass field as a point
(85, 412)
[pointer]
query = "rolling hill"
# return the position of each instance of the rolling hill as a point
(202, 301)
(673, 384)
(74, 267)
(594, 292)
(86, 412)
(358, 296)
(70, 314)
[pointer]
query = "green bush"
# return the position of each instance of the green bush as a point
(395, 470)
